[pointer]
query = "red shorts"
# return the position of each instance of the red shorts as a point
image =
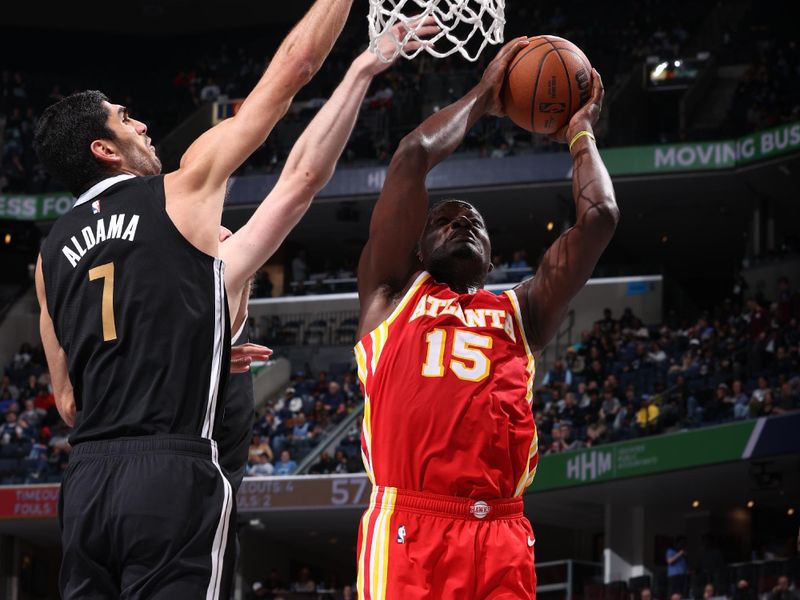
(414, 546)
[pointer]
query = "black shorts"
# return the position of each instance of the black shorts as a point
(149, 517)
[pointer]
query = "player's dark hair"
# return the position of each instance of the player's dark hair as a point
(63, 139)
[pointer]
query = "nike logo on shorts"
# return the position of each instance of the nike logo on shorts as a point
(531, 542)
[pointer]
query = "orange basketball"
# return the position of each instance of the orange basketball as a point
(547, 82)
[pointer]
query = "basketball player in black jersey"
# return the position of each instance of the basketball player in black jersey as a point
(136, 324)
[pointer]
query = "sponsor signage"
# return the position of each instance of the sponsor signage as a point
(704, 156)
(482, 172)
(260, 494)
(42, 207)
(646, 456)
(29, 502)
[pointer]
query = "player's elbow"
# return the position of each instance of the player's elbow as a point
(604, 214)
(412, 150)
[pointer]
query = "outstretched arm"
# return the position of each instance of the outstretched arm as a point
(308, 169)
(56, 357)
(569, 262)
(195, 192)
(389, 258)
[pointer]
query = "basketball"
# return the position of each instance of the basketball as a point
(547, 82)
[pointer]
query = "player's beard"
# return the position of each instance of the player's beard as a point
(142, 161)
(460, 266)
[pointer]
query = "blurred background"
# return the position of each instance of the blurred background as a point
(668, 403)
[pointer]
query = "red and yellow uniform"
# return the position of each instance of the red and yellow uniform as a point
(450, 445)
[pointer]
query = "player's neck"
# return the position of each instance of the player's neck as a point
(461, 283)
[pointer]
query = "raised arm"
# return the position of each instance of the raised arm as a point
(389, 258)
(56, 357)
(569, 262)
(308, 169)
(195, 192)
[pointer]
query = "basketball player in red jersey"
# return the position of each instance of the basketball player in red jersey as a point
(449, 440)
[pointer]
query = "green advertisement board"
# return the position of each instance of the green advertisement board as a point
(645, 456)
(703, 156)
(43, 207)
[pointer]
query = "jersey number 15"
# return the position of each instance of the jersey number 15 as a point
(467, 360)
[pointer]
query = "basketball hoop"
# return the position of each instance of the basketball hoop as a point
(461, 21)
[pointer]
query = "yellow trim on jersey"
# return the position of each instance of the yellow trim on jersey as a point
(361, 361)
(531, 366)
(422, 277)
(380, 545)
(365, 540)
(527, 477)
(367, 430)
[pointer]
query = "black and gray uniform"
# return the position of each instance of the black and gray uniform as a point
(142, 316)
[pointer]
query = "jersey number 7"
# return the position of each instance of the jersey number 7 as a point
(106, 273)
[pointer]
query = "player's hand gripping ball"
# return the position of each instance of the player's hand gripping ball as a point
(548, 81)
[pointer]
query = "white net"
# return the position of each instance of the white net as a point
(467, 26)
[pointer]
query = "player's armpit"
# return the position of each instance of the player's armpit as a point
(56, 357)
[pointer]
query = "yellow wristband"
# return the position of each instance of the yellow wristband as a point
(578, 136)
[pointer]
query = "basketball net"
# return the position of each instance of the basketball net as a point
(460, 21)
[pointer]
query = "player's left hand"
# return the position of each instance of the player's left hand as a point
(244, 355)
(586, 118)
(425, 29)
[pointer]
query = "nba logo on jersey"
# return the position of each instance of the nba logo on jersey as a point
(401, 534)
(96, 207)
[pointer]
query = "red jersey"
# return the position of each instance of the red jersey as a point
(448, 385)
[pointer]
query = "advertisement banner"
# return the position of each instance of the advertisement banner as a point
(703, 156)
(42, 207)
(29, 502)
(645, 456)
(260, 494)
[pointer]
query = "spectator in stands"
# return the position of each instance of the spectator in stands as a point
(611, 404)
(347, 593)
(8, 387)
(677, 566)
(782, 591)
(559, 376)
(346, 464)
(32, 415)
(304, 582)
(607, 323)
(333, 398)
(11, 431)
(259, 465)
(647, 416)
(744, 591)
(788, 399)
(210, 91)
(325, 465)
(646, 594)
(285, 466)
(740, 401)
(259, 446)
(7, 400)
(320, 414)
(570, 412)
(302, 432)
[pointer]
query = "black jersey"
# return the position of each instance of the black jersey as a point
(236, 428)
(140, 313)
